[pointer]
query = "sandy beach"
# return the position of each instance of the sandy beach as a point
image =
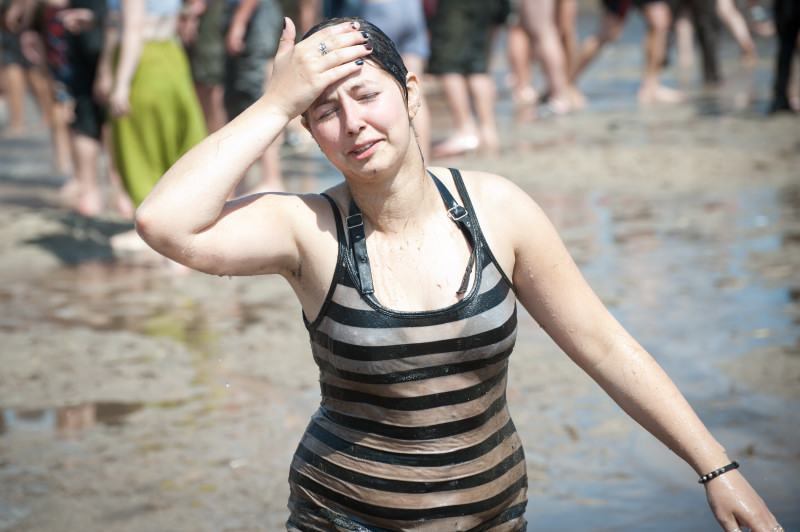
(135, 399)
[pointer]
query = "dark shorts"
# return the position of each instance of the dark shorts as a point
(460, 35)
(84, 54)
(207, 52)
(403, 22)
(12, 50)
(621, 7)
(245, 74)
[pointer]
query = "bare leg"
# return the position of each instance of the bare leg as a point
(212, 102)
(736, 24)
(483, 91)
(14, 83)
(658, 17)
(63, 113)
(518, 46)
(610, 29)
(41, 86)
(465, 138)
(87, 152)
(684, 36)
(537, 17)
(566, 13)
(121, 199)
(271, 172)
(422, 120)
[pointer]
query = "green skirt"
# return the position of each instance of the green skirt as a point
(165, 120)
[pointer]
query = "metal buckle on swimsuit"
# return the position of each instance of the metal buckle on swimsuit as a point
(457, 212)
(355, 220)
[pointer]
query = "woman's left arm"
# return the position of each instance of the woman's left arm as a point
(555, 293)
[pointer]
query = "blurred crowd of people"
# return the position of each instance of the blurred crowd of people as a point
(127, 86)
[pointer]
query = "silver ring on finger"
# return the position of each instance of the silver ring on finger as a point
(323, 48)
(737, 529)
(777, 527)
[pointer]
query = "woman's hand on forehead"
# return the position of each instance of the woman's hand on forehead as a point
(304, 70)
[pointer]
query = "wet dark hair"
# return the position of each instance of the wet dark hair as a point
(384, 52)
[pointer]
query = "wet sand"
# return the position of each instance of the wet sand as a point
(136, 399)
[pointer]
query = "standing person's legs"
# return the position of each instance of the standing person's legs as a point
(465, 135)
(484, 94)
(658, 18)
(538, 18)
(12, 69)
(609, 29)
(705, 22)
(207, 59)
(86, 151)
(733, 19)
(787, 24)
(246, 76)
(518, 47)
(566, 15)
(459, 48)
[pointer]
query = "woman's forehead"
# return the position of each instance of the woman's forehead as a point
(368, 76)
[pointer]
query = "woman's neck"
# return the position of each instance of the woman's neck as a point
(391, 205)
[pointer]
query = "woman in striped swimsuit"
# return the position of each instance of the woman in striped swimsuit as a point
(408, 278)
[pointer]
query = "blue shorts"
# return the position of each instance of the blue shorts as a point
(403, 22)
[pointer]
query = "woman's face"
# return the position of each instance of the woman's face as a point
(361, 123)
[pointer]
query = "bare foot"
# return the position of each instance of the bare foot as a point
(68, 193)
(577, 100)
(14, 132)
(750, 59)
(549, 109)
(525, 96)
(90, 203)
(456, 145)
(123, 204)
(660, 94)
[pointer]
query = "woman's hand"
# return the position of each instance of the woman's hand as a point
(304, 70)
(77, 20)
(119, 102)
(736, 504)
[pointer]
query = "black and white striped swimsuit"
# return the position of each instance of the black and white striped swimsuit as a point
(413, 431)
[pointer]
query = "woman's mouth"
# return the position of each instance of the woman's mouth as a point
(364, 150)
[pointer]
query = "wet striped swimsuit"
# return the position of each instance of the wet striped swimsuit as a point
(413, 431)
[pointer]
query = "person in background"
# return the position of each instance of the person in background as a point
(461, 32)
(24, 65)
(145, 77)
(787, 25)
(658, 18)
(201, 29)
(252, 30)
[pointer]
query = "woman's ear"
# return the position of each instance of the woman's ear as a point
(413, 88)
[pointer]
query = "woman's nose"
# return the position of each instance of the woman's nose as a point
(353, 118)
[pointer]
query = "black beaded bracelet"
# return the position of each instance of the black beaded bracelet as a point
(730, 467)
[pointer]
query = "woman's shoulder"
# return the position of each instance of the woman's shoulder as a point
(485, 187)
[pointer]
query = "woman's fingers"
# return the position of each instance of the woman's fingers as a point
(337, 44)
(302, 71)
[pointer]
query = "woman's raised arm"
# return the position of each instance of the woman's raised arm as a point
(187, 216)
